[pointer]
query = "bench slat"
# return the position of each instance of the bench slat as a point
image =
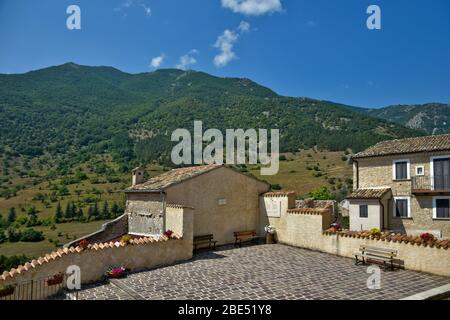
(367, 248)
(371, 256)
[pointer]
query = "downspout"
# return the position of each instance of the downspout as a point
(163, 201)
(357, 173)
(382, 214)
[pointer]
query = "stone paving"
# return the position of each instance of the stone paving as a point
(263, 272)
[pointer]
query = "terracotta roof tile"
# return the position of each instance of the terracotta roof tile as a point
(172, 177)
(369, 193)
(279, 194)
(410, 145)
(311, 211)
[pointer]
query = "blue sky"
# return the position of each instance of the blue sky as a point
(319, 49)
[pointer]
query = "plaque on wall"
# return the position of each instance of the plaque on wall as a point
(273, 208)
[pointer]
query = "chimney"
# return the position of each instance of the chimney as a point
(137, 176)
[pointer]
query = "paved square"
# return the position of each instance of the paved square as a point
(263, 272)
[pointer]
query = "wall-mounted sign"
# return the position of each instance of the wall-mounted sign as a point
(273, 208)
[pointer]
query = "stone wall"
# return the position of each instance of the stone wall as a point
(146, 213)
(377, 172)
(142, 253)
(110, 230)
(306, 230)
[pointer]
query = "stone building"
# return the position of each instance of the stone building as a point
(223, 201)
(404, 186)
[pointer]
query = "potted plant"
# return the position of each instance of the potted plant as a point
(115, 272)
(427, 237)
(83, 244)
(125, 239)
(55, 280)
(168, 233)
(270, 234)
(335, 227)
(7, 290)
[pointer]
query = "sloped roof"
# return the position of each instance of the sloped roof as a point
(172, 177)
(369, 193)
(410, 145)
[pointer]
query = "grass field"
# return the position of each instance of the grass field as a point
(63, 233)
(295, 176)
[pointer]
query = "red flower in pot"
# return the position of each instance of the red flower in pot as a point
(168, 234)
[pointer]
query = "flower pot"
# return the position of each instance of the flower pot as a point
(56, 279)
(7, 291)
(270, 238)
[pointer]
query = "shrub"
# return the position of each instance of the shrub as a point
(375, 232)
(6, 263)
(125, 239)
(31, 235)
(276, 187)
(13, 235)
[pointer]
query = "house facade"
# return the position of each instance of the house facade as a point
(403, 186)
(223, 200)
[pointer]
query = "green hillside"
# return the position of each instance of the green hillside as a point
(433, 118)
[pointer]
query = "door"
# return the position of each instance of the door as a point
(442, 174)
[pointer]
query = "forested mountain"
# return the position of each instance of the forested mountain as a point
(433, 118)
(71, 112)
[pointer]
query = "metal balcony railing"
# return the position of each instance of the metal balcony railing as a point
(431, 183)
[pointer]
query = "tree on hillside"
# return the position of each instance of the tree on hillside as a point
(80, 214)
(58, 213)
(12, 216)
(115, 211)
(68, 212)
(321, 193)
(105, 211)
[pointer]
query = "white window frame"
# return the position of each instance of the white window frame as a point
(432, 167)
(359, 213)
(408, 169)
(394, 207)
(435, 207)
(222, 201)
(423, 171)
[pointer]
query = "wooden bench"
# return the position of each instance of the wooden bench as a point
(386, 256)
(205, 239)
(244, 236)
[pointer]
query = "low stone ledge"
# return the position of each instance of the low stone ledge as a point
(55, 255)
(391, 237)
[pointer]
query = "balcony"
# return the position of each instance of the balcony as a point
(431, 185)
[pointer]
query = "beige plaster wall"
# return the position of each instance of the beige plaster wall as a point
(306, 231)
(374, 215)
(240, 213)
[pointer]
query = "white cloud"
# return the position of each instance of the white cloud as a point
(253, 7)
(244, 26)
(187, 60)
(127, 4)
(157, 61)
(225, 43)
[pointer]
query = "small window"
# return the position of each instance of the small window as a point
(420, 171)
(363, 211)
(222, 202)
(442, 208)
(401, 207)
(401, 170)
